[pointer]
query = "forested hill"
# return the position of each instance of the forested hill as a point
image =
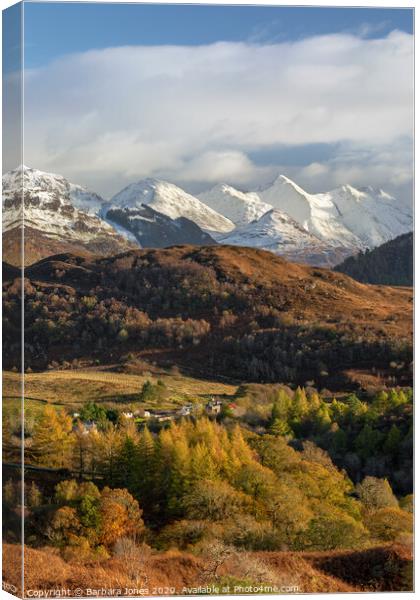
(388, 264)
(223, 310)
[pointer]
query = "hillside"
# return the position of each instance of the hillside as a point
(221, 310)
(388, 264)
(327, 573)
(155, 230)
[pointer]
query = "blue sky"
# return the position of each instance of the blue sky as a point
(54, 29)
(203, 94)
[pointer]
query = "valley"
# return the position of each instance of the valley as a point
(207, 415)
(207, 300)
(100, 441)
(215, 407)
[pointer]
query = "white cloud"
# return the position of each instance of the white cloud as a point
(222, 165)
(389, 166)
(195, 113)
(315, 170)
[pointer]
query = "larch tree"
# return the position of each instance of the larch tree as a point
(53, 439)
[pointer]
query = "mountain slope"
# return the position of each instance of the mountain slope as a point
(389, 264)
(239, 207)
(277, 232)
(356, 219)
(172, 201)
(219, 310)
(85, 200)
(155, 230)
(52, 222)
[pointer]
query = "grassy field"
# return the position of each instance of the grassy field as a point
(75, 387)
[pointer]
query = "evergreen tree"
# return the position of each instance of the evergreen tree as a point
(281, 406)
(392, 442)
(107, 449)
(322, 419)
(339, 440)
(368, 441)
(181, 475)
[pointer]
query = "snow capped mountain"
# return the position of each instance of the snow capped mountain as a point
(51, 220)
(373, 215)
(85, 200)
(170, 200)
(348, 217)
(320, 229)
(155, 230)
(239, 207)
(315, 213)
(277, 232)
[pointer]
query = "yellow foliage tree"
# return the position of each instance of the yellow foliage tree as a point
(53, 440)
(389, 523)
(120, 516)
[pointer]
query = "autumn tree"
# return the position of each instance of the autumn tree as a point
(107, 449)
(214, 501)
(376, 493)
(333, 529)
(120, 516)
(389, 523)
(52, 440)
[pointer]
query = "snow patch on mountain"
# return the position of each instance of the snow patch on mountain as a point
(172, 201)
(85, 200)
(277, 232)
(239, 207)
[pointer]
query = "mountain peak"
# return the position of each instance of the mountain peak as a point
(284, 181)
(239, 207)
(221, 187)
(169, 199)
(152, 182)
(353, 191)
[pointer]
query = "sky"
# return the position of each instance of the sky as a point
(203, 94)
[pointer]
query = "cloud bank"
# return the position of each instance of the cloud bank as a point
(196, 114)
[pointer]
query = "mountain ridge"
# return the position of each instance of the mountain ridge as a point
(319, 229)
